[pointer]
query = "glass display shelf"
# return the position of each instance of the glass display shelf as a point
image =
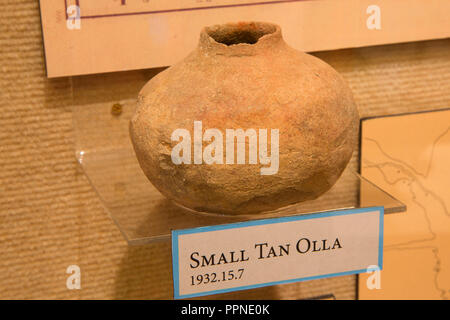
(144, 215)
(102, 106)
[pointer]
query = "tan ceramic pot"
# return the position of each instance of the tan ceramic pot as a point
(244, 76)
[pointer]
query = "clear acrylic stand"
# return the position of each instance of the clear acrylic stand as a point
(143, 215)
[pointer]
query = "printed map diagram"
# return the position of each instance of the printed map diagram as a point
(409, 157)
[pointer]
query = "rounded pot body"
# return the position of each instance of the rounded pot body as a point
(298, 121)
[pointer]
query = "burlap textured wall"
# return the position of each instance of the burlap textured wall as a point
(51, 218)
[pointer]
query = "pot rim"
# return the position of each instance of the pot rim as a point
(263, 34)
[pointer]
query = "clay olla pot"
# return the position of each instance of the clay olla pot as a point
(244, 124)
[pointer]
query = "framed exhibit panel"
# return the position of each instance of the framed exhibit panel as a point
(409, 155)
(95, 36)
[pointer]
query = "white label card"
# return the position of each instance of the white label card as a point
(257, 253)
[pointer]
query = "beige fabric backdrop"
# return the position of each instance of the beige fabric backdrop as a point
(50, 217)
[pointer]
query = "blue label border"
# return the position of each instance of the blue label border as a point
(177, 233)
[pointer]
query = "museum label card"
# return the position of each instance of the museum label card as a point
(257, 253)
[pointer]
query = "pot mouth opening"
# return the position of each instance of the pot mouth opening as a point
(240, 33)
